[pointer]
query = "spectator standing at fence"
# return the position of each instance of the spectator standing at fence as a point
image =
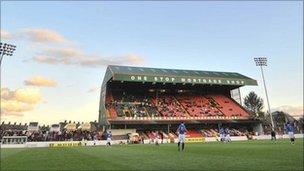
(156, 137)
(273, 135)
(162, 137)
(222, 134)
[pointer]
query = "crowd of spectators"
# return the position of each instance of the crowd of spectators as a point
(12, 133)
(9, 129)
(46, 133)
(126, 104)
(168, 106)
(198, 105)
(77, 135)
(130, 105)
(214, 132)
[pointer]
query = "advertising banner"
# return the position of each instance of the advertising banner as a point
(195, 140)
(65, 144)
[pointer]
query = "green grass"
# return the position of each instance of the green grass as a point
(245, 155)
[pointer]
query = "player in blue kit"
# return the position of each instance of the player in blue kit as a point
(181, 130)
(290, 130)
(227, 135)
(109, 138)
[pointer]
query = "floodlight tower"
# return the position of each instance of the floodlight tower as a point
(8, 50)
(262, 61)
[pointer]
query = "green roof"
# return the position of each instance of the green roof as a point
(142, 74)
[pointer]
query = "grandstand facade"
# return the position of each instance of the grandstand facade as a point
(152, 98)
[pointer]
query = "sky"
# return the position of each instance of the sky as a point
(63, 49)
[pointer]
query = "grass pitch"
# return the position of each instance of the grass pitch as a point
(245, 155)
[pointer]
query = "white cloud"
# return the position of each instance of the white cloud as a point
(28, 95)
(13, 107)
(135, 58)
(292, 110)
(93, 89)
(45, 59)
(84, 113)
(16, 102)
(41, 35)
(54, 48)
(73, 56)
(5, 34)
(40, 82)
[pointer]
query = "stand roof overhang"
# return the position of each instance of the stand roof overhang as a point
(174, 76)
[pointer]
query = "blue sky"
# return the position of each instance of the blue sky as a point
(217, 36)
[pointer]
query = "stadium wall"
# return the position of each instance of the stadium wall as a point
(59, 144)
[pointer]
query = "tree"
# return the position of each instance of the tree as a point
(254, 104)
(279, 118)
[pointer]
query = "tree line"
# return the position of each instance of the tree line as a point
(255, 104)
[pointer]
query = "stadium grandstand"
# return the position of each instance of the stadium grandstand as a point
(148, 99)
